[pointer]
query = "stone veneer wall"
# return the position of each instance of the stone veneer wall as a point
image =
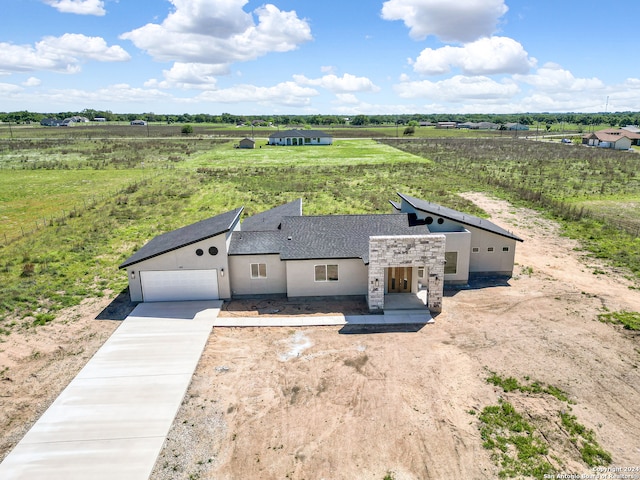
(408, 250)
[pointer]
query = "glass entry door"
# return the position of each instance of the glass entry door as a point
(399, 280)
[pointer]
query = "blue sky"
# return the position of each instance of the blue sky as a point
(329, 57)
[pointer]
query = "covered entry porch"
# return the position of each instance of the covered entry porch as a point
(403, 267)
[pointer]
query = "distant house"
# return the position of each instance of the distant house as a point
(618, 139)
(138, 122)
(99, 119)
(247, 143)
(634, 130)
(50, 122)
(300, 137)
(447, 125)
(479, 125)
(515, 126)
(68, 122)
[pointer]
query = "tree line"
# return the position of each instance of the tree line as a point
(613, 119)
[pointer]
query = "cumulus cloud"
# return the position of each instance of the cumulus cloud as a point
(285, 93)
(220, 32)
(32, 82)
(335, 84)
(450, 21)
(190, 75)
(7, 89)
(60, 54)
(487, 56)
(80, 7)
(458, 88)
(553, 78)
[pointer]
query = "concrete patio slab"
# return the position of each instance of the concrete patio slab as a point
(112, 419)
(391, 318)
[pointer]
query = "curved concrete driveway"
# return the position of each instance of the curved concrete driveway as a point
(112, 419)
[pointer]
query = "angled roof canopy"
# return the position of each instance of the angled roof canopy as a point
(454, 215)
(184, 236)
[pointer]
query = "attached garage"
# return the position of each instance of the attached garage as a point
(179, 285)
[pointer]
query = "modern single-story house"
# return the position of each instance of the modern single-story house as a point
(281, 252)
(138, 122)
(515, 126)
(300, 137)
(618, 139)
(50, 122)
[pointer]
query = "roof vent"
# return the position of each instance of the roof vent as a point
(289, 237)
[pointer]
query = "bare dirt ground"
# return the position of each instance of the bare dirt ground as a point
(274, 403)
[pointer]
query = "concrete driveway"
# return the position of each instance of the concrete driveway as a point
(112, 419)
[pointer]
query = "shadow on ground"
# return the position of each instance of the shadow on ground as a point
(119, 308)
(477, 284)
(367, 329)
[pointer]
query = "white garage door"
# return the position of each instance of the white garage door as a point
(179, 285)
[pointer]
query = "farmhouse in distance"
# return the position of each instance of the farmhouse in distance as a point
(282, 252)
(300, 137)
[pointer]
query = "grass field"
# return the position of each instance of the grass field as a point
(74, 209)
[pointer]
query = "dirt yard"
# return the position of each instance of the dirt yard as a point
(275, 403)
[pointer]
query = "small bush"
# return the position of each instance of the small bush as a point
(629, 320)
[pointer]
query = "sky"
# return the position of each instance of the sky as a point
(345, 57)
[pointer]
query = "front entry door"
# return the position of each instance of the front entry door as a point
(399, 280)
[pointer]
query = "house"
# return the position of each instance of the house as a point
(618, 139)
(515, 126)
(281, 252)
(138, 122)
(300, 137)
(447, 125)
(50, 122)
(247, 143)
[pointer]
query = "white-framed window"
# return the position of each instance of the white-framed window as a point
(326, 273)
(490, 249)
(420, 272)
(450, 262)
(505, 249)
(258, 270)
(475, 250)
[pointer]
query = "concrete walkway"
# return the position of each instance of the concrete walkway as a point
(113, 418)
(395, 317)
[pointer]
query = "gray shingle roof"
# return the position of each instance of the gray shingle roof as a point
(454, 215)
(271, 219)
(340, 236)
(184, 236)
(256, 243)
(300, 133)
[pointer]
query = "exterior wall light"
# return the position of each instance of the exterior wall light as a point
(133, 274)
(222, 272)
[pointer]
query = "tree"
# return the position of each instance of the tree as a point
(187, 130)
(360, 120)
(409, 130)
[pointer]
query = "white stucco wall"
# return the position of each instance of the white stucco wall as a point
(459, 242)
(185, 258)
(485, 261)
(243, 284)
(352, 278)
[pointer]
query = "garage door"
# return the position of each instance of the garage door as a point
(179, 285)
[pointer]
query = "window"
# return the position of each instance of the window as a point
(213, 251)
(505, 249)
(326, 273)
(489, 249)
(475, 250)
(440, 221)
(420, 272)
(258, 270)
(199, 252)
(307, 140)
(451, 262)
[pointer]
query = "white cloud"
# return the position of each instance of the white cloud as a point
(553, 78)
(487, 56)
(32, 82)
(285, 93)
(80, 7)
(346, 98)
(190, 75)
(9, 89)
(60, 54)
(344, 84)
(450, 21)
(328, 69)
(219, 32)
(459, 89)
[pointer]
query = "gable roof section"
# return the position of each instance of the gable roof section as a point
(454, 215)
(340, 236)
(300, 133)
(184, 236)
(256, 243)
(271, 219)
